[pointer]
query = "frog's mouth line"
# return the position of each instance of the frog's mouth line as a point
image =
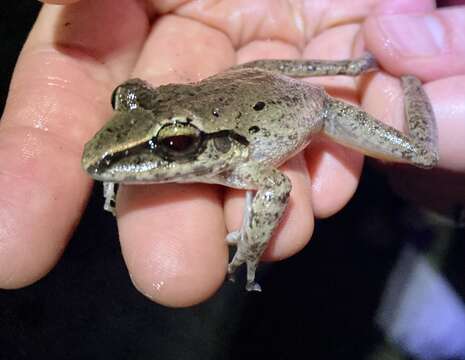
(150, 148)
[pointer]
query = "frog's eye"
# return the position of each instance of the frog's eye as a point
(180, 143)
(179, 140)
(113, 98)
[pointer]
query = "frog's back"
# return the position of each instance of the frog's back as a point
(276, 113)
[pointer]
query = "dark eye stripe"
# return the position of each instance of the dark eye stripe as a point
(228, 133)
(171, 141)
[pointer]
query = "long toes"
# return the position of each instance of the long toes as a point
(253, 286)
(110, 208)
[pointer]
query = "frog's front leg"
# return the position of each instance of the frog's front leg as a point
(262, 214)
(110, 197)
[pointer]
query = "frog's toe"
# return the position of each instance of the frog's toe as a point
(252, 264)
(110, 207)
(233, 237)
(231, 276)
(233, 265)
(236, 261)
(110, 197)
(253, 286)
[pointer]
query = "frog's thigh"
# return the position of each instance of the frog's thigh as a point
(261, 215)
(352, 127)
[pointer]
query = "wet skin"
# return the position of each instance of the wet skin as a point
(236, 128)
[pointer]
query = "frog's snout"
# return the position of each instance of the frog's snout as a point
(89, 161)
(90, 168)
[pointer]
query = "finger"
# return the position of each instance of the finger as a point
(334, 169)
(430, 46)
(172, 236)
(56, 102)
(383, 98)
(448, 99)
(440, 189)
(405, 7)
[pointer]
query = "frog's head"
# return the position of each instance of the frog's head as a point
(144, 146)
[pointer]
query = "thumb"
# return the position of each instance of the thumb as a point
(430, 46)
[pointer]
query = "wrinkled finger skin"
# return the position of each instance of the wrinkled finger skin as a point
(172, 236)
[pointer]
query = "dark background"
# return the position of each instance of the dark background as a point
(320, 302)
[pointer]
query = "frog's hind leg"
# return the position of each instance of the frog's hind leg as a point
(262, 213)
(307, 68)
(351, 126)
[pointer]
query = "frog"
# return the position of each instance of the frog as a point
(236, 129)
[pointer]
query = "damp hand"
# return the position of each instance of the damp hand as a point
(172, 236)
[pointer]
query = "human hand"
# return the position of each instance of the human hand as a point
(172, 236)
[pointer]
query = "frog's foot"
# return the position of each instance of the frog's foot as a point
(244, 254)
(110, 199)
(251, 285)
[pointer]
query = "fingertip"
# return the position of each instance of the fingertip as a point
(172, 238)
(335, 171)
(168, 277)
(38, 212)
(428, 45)
(25, 257)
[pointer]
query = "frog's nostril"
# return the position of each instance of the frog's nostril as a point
(92, 169)
(88, 164)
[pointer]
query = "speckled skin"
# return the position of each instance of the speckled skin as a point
(237, 127)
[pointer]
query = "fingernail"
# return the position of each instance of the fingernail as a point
(413, 35)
